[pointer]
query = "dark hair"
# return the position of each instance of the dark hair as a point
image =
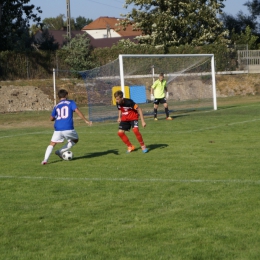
(62, 93)
(118, 93)
(161, 74)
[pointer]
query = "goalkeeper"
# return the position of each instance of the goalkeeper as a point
(158, 96)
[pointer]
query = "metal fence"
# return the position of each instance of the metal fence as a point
(249, 60)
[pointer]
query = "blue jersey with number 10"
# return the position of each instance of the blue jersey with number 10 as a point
(63, 114)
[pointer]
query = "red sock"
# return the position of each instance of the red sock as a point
(124, 138)
(138, 136)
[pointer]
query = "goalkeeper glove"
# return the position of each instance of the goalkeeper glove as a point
(152, 97)
(167, 95)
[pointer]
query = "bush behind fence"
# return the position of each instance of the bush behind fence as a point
(29, 65)
(40, 64)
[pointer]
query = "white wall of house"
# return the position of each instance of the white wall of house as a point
(102, 33)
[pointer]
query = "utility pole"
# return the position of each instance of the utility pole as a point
(68, 20)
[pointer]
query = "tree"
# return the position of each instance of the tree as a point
(239, 23)
(81, 22)
(245, 38)
(57, 23)
(46, 41)
(176, 22)
(253, 7)
(242, 25)
(78, 53)
(14, 24)
(54, 23)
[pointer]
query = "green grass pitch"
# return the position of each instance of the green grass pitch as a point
(194, 195)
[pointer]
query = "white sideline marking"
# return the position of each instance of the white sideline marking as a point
(130, 180)
(214, 127)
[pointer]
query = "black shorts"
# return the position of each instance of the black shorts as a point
(126, 125)
(158, 101)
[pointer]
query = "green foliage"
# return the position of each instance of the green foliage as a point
(253, 7)
(23, 40)
(78, 53)
(174, 23)
(194, 195)
(237, 24)
(246, 38)
(15, 65)
(29, 65)
(54, 23)
(57, 23)
(225, 57)
(34, 29)
(81, 21)
(47, 41)
(105, 55)
(14, 25)
(244, 28)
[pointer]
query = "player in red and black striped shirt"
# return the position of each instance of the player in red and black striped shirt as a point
(128, 112)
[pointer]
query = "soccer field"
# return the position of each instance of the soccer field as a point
(194, 195)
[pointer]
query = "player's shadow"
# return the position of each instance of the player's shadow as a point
(156, 146)
(97, 154)
(227, 107)
(183, 115)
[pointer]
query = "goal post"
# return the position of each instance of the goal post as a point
(172, 65)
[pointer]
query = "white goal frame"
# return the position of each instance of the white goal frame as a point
(121, 67)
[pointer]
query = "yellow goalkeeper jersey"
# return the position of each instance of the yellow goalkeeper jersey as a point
(159, 87)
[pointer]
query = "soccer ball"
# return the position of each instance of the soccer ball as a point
(67, 156)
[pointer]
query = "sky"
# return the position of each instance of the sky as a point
(93, 9)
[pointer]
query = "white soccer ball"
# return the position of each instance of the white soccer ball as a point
(67, 156)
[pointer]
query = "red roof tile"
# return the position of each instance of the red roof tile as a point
(103, 21)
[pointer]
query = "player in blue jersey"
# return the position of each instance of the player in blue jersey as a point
(62, 114)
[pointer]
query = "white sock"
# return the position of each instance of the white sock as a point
(48, 153)
(67, 146)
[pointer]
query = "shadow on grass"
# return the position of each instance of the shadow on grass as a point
(227, 107)
(91, 155)
(181, 115)
(97, 154)
(156, 146)
(114, 151)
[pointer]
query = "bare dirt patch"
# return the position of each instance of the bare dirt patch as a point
(23, 98)
(38, 96)
(238, 85)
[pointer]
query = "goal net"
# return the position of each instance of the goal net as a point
(190, 83)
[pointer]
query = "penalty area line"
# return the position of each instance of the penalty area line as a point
(230, 181)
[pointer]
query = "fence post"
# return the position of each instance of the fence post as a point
(153, 72)
(54, 87)
(27, 66)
